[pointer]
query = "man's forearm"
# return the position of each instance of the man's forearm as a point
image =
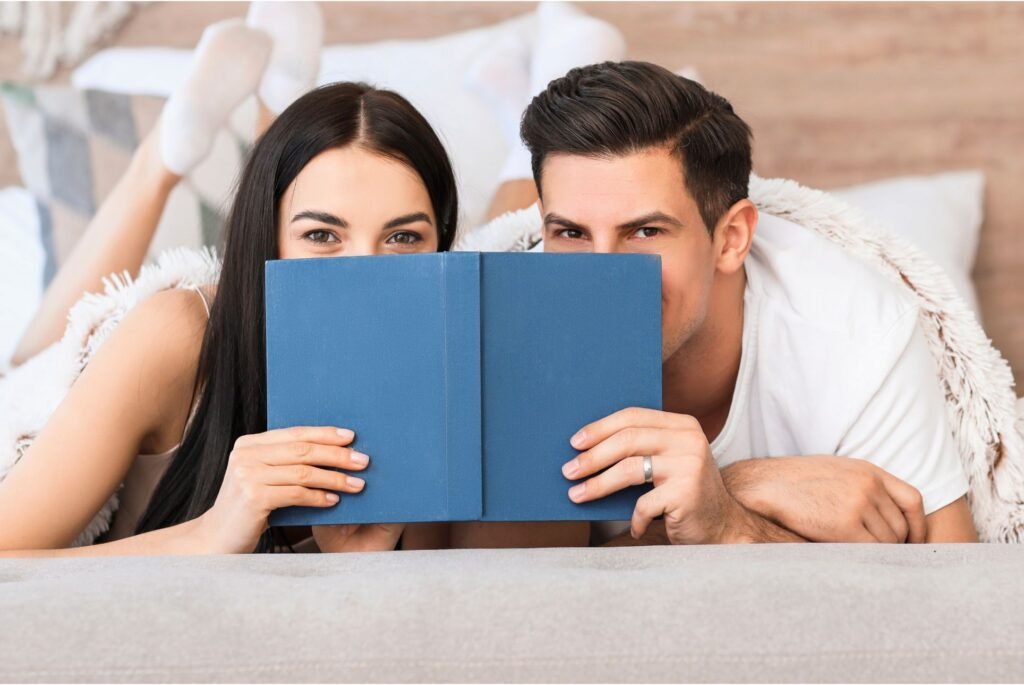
(744, 526)
(748, 527)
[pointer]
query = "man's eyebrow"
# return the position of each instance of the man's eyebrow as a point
(408, 219)
(557, 219)
(323, 217)
(652, 218)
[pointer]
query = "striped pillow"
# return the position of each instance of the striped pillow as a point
(73, 145)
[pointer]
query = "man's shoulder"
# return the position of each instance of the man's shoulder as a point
(814, 284)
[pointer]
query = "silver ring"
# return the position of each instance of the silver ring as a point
(648, 470)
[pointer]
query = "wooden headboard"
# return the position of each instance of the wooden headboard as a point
(836, 93)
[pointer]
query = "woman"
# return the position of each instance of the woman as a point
(347, 169)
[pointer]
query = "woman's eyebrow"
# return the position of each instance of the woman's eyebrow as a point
(324, 217)
(407, 219)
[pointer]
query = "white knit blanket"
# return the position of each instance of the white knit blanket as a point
(983, 408)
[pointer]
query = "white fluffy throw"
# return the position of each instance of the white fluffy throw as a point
(986, 416)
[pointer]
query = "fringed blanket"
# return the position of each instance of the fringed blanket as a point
(987, 418)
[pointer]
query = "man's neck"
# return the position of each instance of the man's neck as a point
(700, 377)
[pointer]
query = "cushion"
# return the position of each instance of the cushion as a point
(940, 213)
(22, 266)
(73, 145)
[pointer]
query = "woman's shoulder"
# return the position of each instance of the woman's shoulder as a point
(165, 331)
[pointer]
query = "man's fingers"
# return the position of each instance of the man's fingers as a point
(648, 507)
(632, 441)
(908, 498)
(311, 477)
(326, 435)
(593, 433)
(627, 472)
(894, 516)
(879, 527)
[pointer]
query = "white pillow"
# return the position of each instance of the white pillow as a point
(21, 266)
(940, 213)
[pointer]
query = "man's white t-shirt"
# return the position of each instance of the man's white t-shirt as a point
(833, 362)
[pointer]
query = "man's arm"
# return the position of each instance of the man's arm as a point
(751, 528)
(838, 499)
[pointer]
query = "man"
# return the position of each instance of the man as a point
(776, 343)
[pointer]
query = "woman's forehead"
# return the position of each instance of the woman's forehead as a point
(356, 182)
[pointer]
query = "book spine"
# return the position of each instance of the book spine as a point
(460, 298)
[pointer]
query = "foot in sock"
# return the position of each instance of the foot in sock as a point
(568, 38)
(227, 65)
(297, 31)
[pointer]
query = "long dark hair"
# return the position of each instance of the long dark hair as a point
(230, 390)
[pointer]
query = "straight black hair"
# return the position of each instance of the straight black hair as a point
(617, 108)
(230, 390)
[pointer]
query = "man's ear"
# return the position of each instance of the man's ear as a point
(733, 236)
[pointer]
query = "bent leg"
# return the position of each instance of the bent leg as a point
(116, 240)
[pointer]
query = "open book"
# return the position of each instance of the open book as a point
(463, 375)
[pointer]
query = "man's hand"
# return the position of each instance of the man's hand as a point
(688, 487)
(829, 499)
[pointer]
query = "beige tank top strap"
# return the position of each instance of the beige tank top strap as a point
(203, 296)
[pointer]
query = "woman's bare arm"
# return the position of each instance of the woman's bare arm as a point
(133, 395)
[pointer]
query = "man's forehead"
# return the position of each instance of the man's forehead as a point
(614, 188)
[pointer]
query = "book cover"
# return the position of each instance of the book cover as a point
(463, 375)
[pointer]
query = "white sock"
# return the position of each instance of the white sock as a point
(297, 30)
(501, 77)
(566, 38)
(226, 66)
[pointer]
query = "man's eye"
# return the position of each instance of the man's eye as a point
(571, 233)
(648, 232)
(405, 238)
(320, 236)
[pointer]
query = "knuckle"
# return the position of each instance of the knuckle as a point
(304, 475)
(629, 437)
(300, 449)
(249, 492)
(632, 414)
(295, 433)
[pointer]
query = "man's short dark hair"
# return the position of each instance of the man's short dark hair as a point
(617, 108)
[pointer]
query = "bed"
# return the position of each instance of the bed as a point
(837, 94)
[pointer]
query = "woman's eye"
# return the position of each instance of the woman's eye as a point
(648, 232)
(570, 233)
(320, 236)
(405, 238)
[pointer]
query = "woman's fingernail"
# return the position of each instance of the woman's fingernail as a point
(360, 459)
(571, 468)
(346, 433)
(578, 439)
(576, 491)
(332, 498)
(354, 482)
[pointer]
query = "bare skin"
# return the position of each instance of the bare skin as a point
(633, 203)
(134, 397)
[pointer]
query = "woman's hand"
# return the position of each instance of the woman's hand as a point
(368, 537)
(279, 468)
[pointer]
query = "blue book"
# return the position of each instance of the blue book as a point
(463, 375)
